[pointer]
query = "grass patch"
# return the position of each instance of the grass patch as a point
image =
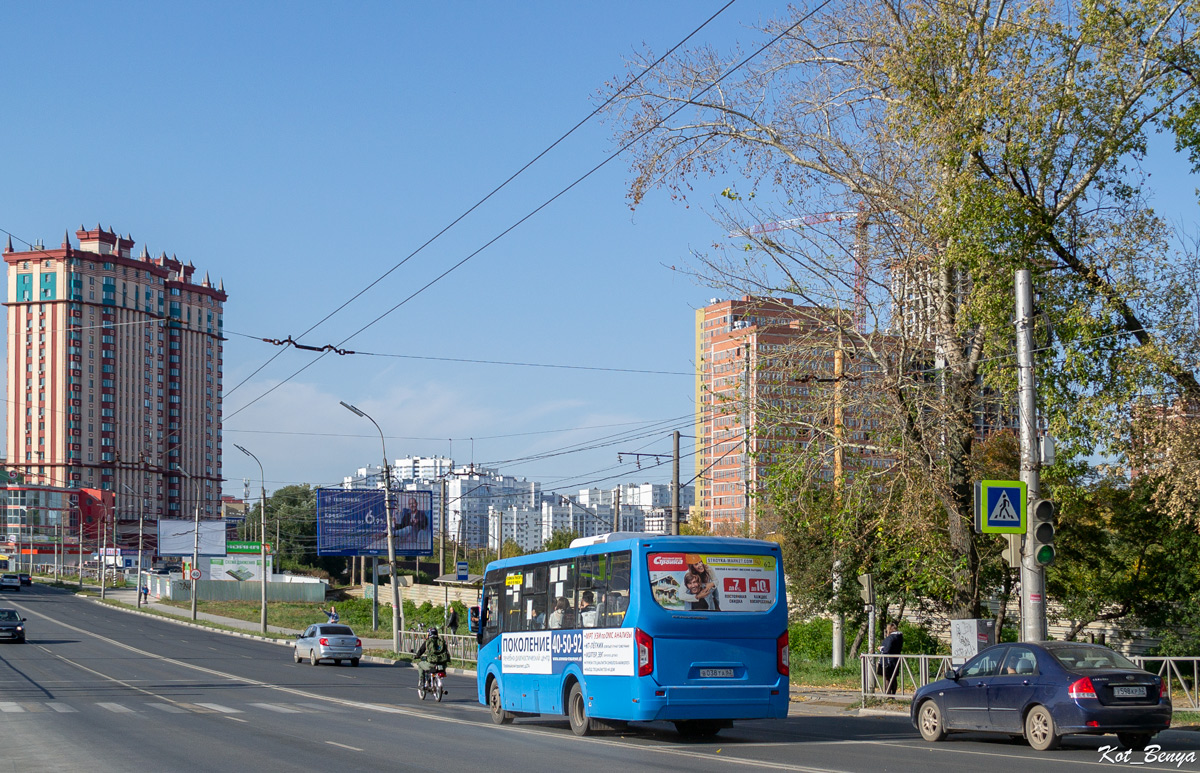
(811, 673)
(298, 615)
(188, 619)
(1185, 719)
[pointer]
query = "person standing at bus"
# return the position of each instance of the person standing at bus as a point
(892, 645)
(587, 609)
(561, 617)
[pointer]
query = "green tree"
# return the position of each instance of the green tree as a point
(970, 140)
(561, 538)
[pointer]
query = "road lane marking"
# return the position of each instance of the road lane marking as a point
(344, 746)
(116, 708)
(397, 710)
(219, 708)
(277, 707)
(167, 707)
(11, 707)
(61, 708)
(236, 719)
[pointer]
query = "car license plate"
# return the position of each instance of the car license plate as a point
(716, 673)
(1123, 691)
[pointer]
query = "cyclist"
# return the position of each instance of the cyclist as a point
(435, 652)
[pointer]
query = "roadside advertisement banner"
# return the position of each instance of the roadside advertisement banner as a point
(353, 522)
(695, 582)
(177, 537)
(236, 568)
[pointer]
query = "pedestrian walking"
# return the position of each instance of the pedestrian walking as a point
(145, 591)
(892, 645)
(452, 623)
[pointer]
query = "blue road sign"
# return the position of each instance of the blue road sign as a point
(462, 571)
(1000, 507)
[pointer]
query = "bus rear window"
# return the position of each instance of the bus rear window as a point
(713, 582)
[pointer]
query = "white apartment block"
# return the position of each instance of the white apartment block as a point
(470, 496)
(521, 525)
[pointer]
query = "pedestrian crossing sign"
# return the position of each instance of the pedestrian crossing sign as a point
(1000, 507)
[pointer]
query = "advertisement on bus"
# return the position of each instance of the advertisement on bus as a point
(692, 582)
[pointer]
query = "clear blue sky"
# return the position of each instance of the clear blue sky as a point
(297, 151)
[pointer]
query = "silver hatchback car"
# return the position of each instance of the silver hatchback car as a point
(328, 641)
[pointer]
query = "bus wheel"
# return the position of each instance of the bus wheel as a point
(499, 715)
(698, 728)
(577, 711)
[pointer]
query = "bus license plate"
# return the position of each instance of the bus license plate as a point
(1129, 692)
(716, 673)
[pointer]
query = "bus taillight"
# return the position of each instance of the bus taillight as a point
(645, 651)
(783, 657)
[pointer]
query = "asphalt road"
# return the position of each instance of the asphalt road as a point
(96, 689)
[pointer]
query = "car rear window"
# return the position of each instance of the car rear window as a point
(1090, 658)
(336, 630)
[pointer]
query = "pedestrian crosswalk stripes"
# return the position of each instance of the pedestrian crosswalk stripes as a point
(138, 707)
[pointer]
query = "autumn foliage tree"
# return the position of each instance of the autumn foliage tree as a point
(899, 161)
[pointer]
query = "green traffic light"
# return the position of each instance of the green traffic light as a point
(1045, 555)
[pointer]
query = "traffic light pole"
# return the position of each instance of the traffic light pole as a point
(1033, 578)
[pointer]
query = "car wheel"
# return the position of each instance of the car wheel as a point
(496, 705)
(296, 655)
(1136, 741)
(929, 722)
(354, 662)
(1040, 731)
(312, 658)
(337, 662)
(577, 712)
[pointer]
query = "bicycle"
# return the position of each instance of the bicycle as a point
(432, 682)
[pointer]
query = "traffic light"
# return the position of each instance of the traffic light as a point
(1041, 513)
(1012, 550)
(867, 592)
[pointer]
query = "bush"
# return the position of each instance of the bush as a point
(811, 640)
(919, 641)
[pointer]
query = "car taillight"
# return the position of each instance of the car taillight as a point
(783, 656)
(645, 651)
(358, 642)
(1082, 688)
(324, 642)
(1162, 690)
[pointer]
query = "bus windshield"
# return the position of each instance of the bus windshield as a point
(712, 582)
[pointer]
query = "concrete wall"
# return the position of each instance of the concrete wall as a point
(218, 590)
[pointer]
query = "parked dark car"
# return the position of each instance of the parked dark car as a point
(25, 579)
(1044, 691)
(12, 626)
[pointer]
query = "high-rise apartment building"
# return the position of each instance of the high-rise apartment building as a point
(114, 377)
(739, 366)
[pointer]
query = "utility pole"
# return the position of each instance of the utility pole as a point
(101, 559)
(1033, 578)
(617, 508)
(442, 552)
(675, 484)
(839, 636)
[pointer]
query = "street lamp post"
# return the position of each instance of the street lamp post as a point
(195, 543)
(397, 608)
(141, 539)
(262, 544)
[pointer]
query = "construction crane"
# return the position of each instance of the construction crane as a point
(859, 255)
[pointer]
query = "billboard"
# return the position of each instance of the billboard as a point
(353, 522)
(244, 567)
(176, 537)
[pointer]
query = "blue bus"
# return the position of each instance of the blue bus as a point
(637, 627)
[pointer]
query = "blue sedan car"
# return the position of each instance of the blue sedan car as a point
(1044, 691)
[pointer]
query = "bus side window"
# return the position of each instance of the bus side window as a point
(616, 596)
(491, 618)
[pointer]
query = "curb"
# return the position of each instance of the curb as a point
(881, 713)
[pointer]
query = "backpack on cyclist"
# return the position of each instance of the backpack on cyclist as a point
(438, 652)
